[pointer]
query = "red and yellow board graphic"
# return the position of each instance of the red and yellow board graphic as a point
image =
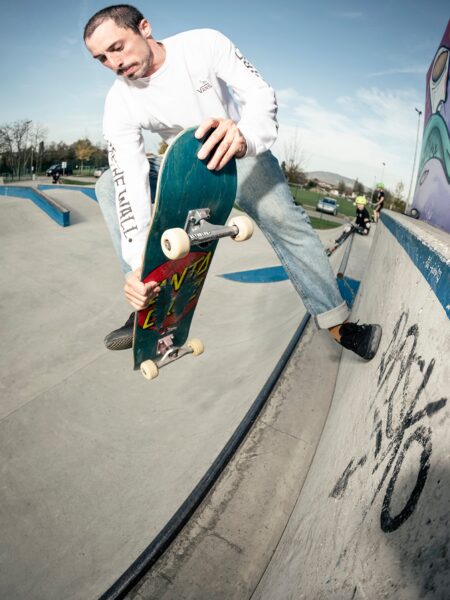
(181, 282)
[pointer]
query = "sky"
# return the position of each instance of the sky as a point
(348, 74)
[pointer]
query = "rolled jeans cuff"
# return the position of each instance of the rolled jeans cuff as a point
(332, 317)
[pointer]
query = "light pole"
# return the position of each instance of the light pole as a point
(419, 112)
(382, 173)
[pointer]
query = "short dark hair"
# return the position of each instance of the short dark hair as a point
(123, 15)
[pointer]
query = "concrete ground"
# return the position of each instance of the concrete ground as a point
(95, 458)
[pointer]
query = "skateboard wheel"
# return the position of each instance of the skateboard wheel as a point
(149, 369)
(196, 346)
(175, 243)
(245, 227)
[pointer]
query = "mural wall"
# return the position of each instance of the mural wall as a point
(432, 193)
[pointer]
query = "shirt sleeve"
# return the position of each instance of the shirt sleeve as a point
(258, 122)
(130, 168)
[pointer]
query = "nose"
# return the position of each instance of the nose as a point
(115, 62)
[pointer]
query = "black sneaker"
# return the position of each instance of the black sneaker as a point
(122, 338)
(361, 339)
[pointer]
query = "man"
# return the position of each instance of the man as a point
(378, 206)
(190, 78)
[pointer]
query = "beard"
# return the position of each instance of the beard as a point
(140, 69)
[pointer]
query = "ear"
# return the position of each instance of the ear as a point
(145, 28)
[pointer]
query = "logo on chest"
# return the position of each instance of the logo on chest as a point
(205, 86)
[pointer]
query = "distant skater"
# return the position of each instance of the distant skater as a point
(56, 176)
(378, 206)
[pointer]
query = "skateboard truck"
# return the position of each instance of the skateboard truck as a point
(176, 242)
(201, 231)
(168, 353)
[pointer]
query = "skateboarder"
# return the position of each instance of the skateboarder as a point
(201, 77)
(378, 206)
(362, 216)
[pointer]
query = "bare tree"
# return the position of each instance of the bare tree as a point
(37, 145)
(295, 160)
(14, 138)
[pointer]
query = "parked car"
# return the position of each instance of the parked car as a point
(68, 170)
(99, 171)
(327, 205)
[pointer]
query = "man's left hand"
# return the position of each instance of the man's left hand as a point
(226, 138)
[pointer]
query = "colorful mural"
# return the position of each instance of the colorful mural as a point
(432, 193)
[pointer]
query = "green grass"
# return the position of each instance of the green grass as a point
(310, 199)
(319, 223)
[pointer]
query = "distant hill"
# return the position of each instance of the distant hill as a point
(332, 178)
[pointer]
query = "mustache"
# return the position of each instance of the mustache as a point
(122, 70)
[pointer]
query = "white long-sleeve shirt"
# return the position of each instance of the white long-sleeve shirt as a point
(203, 75)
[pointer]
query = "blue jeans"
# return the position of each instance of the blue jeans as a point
(264, 195)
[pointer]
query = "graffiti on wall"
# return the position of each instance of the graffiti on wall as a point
(432, 192)
(402, 420)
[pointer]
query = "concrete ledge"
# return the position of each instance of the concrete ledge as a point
(429, 250)
(88, 191)
(53, 209)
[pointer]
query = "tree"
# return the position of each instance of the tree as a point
(37, 138)
(312, 183)
(341, 188)
(397, 201)
(358, 188)
(99, 155)
(162, 147)
(293, 165)
(22, 147)
(83, 150)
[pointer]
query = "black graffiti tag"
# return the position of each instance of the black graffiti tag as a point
(403, 376)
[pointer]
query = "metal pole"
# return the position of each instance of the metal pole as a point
(419, 112)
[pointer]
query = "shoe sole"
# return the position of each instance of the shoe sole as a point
(374, 342)
(119, 343)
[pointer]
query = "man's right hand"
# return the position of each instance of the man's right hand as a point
(139, 294)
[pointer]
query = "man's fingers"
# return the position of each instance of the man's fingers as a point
(133, 295)
(140, 294)
(225, 150)
(204, 127)
(214, 139)
(152, 289)
(225, 142)
(228, 148)
(227, 156)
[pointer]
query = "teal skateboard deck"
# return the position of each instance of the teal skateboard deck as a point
(185, 184)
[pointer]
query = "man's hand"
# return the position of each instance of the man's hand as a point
(139, 294)
(228, 139)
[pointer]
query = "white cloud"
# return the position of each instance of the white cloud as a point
(357, 135)
(286, 96)
(414, 70)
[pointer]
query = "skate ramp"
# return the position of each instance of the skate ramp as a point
(372, 519)
(96, 460)
(341, 490)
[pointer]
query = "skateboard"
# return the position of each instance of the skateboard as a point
(348, 231)
(192, 205)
